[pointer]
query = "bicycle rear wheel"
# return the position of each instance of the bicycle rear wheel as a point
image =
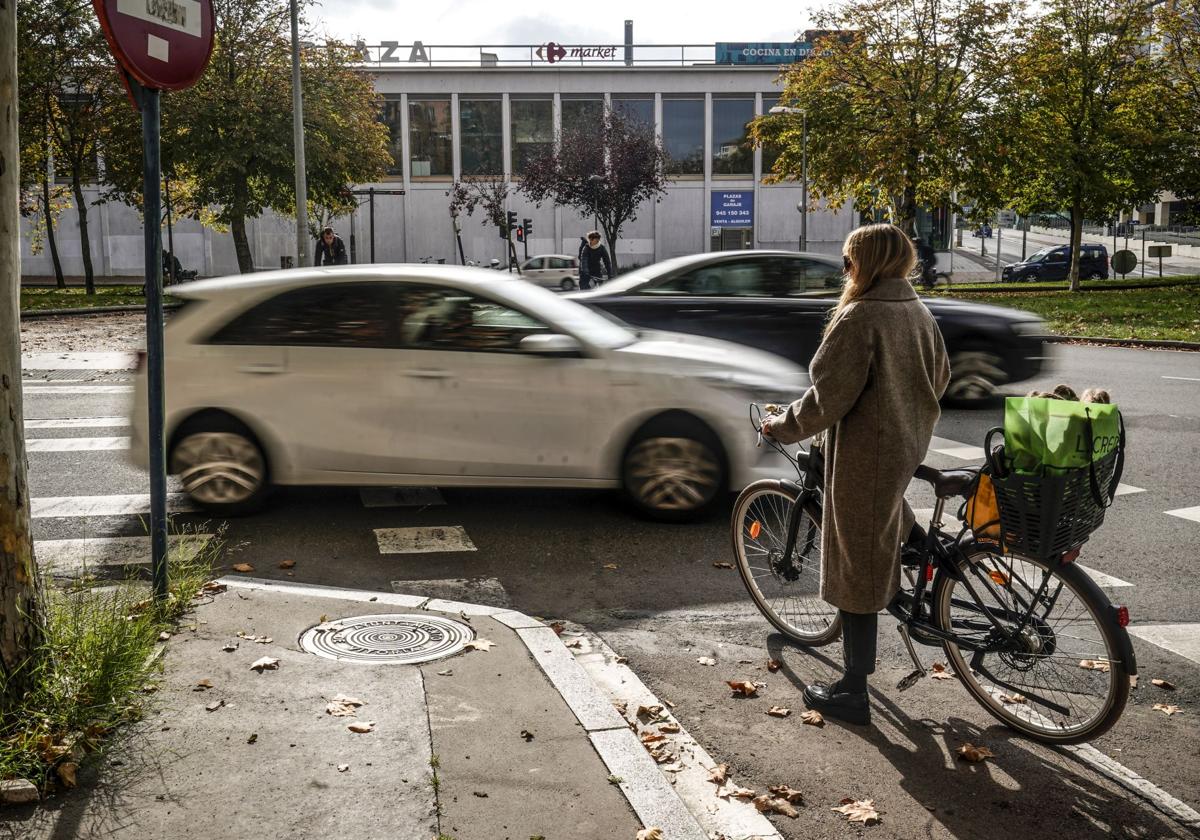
(787, 593)
(1042, 688)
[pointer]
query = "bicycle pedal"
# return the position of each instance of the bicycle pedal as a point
(911, 680)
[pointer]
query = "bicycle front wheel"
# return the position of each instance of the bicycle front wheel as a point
(787, 592)
(1058, 676)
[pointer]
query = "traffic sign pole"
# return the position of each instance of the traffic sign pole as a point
(152, 209)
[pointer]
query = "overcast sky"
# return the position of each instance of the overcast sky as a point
(539, 21)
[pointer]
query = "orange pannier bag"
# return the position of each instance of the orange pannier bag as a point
(982, 512)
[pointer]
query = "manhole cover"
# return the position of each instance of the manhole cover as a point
(390, 639)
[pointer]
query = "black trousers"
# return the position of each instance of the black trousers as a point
(860, 633)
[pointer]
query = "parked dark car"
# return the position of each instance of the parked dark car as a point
(780, 301)
(1054, 263)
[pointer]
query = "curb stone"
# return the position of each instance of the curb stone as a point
(33, 314)
(1148, 343)
(654, 800)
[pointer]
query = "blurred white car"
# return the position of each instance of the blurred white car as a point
(439, 376)
(554, 271)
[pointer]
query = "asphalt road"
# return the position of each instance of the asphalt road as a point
(1011, 250)
(653, 593)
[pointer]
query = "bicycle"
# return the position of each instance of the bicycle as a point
(1037, 644)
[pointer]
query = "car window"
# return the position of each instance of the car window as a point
(534, 264)
(797, 275)
(448, 319)
(734, 278)
(559, 262)
(336, 315)
(1057, 256)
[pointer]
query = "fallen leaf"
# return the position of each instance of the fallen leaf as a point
(722, 565)
(621, 660)
(1167, 709)
(778, 711)
(323, 618)
(718, 774)
(1163, 684)
(774, 665)
(449, 672)
(342, 706)
(812, 717)
(768, 804)
(164, 636)
(1133, 680)
(707, 660)
(574, 644)
(527, 735)
(229, 648)
(650, 834)
(203, 685)
(669, 728)
(1013, 699)
(479, 644)
(66, 772)
(737, 793)
(787, 793)
(213, 588)
(744, 688)
(267, 663)
(652, 737)
(974, 754)
(479, 793)
(342, 768)
(264, 640)
(288, 564)
(1094, 665)
(621, 706)
(149, 689)
(361, 727)
(242, 567)
(253, 739)
(216, 704)
(862, 810)
(558, 627)
(612, 566)
(652, 712)
(939, 672)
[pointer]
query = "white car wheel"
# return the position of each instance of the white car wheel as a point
(673, 478)
(222, 469)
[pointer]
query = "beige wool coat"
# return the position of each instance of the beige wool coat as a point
(877, 378)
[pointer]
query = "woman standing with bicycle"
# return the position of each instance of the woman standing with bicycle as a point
(876, 381)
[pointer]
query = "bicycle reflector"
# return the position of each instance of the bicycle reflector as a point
(1123, 616)
(998, 577)
(755, 529)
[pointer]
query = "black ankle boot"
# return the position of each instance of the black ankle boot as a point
(850, 706)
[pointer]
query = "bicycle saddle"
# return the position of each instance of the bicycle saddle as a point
(946, 483)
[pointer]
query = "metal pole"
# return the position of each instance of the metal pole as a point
(999, 237)
(1024, 236)
(1114, 250)
(371, 198)
(298, 142)
(804, 180)
(353, 243)
(1143, 252)
(152, 207)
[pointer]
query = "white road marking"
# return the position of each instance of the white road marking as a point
(1102, 580)
(48, 381)
(83, 444)
(1128, 489)
(945, 446)
(77, 423)
(58, 556)
(1183, 639)
(68, 390)
(381, 497)
(126, 360)
(1183, 378)
(1130, 780)
(421, 540)
(488, 591)
(1192, 513)
(118, 505)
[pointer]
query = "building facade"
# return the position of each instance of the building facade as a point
(488, 116)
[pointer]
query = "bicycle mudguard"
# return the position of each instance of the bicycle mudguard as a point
(1124, 644)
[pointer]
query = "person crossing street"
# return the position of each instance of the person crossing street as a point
(593, 259)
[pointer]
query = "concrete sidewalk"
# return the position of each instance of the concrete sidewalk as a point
(508, 740)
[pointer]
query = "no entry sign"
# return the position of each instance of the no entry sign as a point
(163, 44)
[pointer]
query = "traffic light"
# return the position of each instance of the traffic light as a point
(528, 225)
(512, 222)
(520, 233)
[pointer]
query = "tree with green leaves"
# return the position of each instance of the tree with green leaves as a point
(488, 193)
(1177, 26)
(607, 170)
(893, 98)
(232, 131)
(1085, 113)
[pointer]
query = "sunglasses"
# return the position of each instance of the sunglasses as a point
(846, 264)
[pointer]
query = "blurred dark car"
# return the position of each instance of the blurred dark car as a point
(1054, 263)
(780, 301)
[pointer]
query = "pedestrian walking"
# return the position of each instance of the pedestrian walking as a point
(926, 262)
(331, 250)
(876, 381)
(593, 259)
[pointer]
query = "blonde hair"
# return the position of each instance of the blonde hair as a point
(875, 252)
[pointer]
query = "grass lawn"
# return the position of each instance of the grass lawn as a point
(1060, 285)
(73, 297)
(1149, 313)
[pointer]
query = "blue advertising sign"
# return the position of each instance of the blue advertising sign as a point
(770, 52)
(732, 209)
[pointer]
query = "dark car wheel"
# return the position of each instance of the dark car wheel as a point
(221, 465)
(976, 375)
(1096, 275)
(567, 284)
(674, 470)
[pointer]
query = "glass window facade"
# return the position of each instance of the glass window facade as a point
(582, 114)
(532, 130)
(481, 128)
(732, 153)
(683, 135)
(635, 110)
(391, 118)
(429, 139)
(770, 152)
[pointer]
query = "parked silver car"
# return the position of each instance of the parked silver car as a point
(554, 271)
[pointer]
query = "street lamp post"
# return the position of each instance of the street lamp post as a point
(298, 140)
(803, 207)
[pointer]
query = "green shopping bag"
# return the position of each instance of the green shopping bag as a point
(1044, 436)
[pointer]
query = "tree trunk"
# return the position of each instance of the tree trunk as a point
(908, 211)
(610, 236)
(85, 243)
(1076, 238)
(18, 580)
(51, 241)
(241, 244)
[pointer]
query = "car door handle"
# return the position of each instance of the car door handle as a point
(262, 369)
(428, 373)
